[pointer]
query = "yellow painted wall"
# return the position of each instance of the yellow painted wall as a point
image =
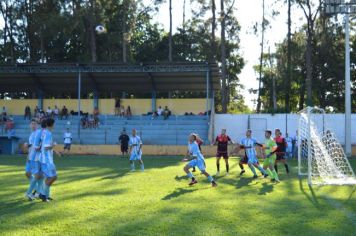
(180, 106)
(107, 106)
(17, 107)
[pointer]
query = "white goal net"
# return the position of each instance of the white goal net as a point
(320, 155)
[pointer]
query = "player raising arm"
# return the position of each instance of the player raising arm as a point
(196, 159)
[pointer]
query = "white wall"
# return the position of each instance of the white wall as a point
(237, 125)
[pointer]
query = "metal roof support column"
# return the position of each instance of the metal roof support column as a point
(154, 99)
(79, 95)
(207, 90)
(40, 99)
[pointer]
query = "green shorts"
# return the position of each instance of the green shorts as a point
(269, 161)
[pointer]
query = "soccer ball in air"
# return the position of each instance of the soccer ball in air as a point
(100, 29)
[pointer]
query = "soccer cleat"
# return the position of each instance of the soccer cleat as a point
(42, 197)
(132, 170)
(242, 172)
(255, 176)
(213, 184)
(29, 196)
(193, 182)
(193, 170)
(265, 175)
(227, 173)
(273, 180)
(50, 199)
(217, 173)
(277, 181)
(36, 195)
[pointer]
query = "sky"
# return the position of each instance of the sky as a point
(248, 12)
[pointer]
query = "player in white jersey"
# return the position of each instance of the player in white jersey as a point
(67, 140)
(196, 159)
(47, 165)
(249, 145)
(31, 153)
(289, 149)
(135, 145)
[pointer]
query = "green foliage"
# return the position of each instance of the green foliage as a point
(97, 195)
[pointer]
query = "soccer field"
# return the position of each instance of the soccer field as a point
(97, 195)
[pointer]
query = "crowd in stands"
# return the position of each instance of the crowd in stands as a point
(7, 123)
(90, 121)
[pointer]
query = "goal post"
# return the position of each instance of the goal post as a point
(320, 155)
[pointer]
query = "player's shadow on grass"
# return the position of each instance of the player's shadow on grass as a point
(116, 175)
(266, 188)
(178, 192)
(180, 178)
(311, 197)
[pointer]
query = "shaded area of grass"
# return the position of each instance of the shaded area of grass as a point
(97, 195)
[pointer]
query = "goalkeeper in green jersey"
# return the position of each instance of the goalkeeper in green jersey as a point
(270, 148)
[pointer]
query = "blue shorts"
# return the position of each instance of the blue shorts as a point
(253, 160)
(197, 163)
(35, 167)
(49, 170)
(135, 157)
(28, 167)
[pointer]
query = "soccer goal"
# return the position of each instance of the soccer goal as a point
(320, 155)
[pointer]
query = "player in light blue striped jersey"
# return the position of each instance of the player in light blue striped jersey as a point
(196, 160)
(249, 145)
(30, 158)
(47, 165)
(135, 145)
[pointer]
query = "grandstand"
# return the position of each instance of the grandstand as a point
(48, 83)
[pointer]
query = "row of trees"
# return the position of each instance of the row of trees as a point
(50, 31)
(308, 66)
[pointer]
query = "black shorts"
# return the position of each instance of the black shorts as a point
(244, 160)
(222, 154)
(124, 148)
(280, 157)
(66, 146)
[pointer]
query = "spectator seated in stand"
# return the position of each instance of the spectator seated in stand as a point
(96, 114)
(154, 115)
(128, 112)
(49, 112)
(9, 127)
(84, 122)
(55, 112)
(122, 111)
(36, 112)
(166, 113)
(159, 111)
(27, 113)
(91, 122)
(64, 113)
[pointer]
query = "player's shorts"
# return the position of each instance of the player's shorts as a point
(49, 170)
(35, 167)
(124, 148)
(280, 157)
(253, 160)
(222, 154)
(244, 160)
(67, 146)
(269, 161)
(197, 163)
(28, 167)
(135, 156)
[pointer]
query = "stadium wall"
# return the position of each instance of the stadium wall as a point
(107, 106)
(237, 125)
(163, 150)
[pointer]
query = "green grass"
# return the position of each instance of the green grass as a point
(96, 195)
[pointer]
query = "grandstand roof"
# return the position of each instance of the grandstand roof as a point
(109, 77)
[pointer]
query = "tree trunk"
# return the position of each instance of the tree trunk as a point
(170, 33)
(289, 62)
(309, 66)
(261, 59)
(213, 29)
(92, 32)
(223, 60)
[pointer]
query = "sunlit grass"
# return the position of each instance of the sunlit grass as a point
(97, 195)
